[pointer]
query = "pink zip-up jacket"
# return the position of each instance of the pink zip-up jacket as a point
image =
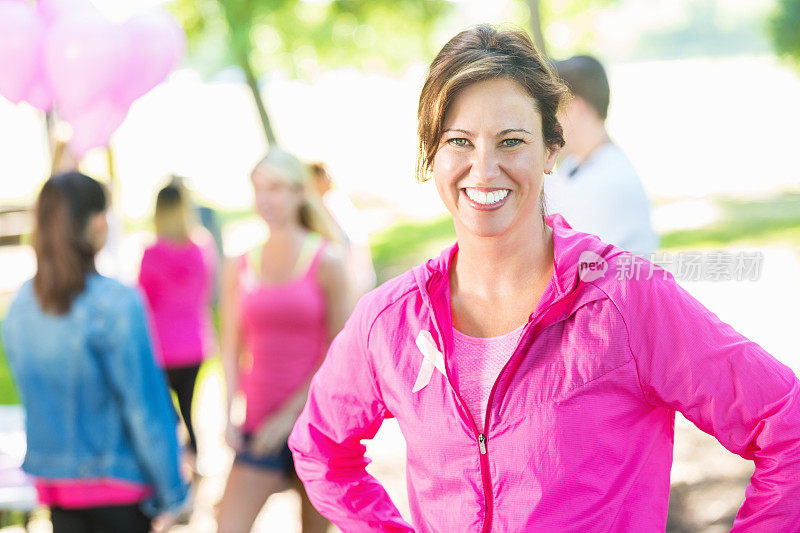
(580, 422)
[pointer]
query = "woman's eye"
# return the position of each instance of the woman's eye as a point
(510, 142)
(458, 141)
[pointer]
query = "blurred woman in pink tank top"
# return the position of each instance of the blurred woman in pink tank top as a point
(282, 303)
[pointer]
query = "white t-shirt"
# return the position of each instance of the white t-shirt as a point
(603, 196)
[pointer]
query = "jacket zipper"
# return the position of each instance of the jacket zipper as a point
(487, 485)
(481, 437)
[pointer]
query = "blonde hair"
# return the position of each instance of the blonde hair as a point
(312, 215)
(174, 218)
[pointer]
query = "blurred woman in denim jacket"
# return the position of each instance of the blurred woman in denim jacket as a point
(99, 421)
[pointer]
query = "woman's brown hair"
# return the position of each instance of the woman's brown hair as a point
(478, 54)
(64, 255)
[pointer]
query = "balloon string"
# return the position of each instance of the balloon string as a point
(58, 154)
(112, 173)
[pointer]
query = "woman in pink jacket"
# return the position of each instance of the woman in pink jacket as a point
(536, 389)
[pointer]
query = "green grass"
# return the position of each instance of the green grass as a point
(396, 249)
(8, 393)
(775, 219)
(751, 223)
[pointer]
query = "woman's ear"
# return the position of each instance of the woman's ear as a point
(551, 157)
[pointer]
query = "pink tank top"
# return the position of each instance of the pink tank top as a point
(178, 280)
(475, 365)
(285, 335)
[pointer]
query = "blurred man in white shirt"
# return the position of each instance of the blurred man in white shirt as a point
(595, 187)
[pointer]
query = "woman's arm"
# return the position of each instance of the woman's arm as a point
(344, 406)
(146, 277)
(690, 361)
(230, 338)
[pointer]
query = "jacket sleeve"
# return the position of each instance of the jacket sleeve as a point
(690, 361)
(141, 390)
(344, 406)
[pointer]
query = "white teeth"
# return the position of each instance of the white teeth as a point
(486, 198)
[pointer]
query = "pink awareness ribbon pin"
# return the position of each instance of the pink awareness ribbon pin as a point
(431, 358)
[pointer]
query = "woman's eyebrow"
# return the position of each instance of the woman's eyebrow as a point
(512, 130)
(504, 132)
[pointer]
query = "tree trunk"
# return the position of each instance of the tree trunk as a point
(252, 82)
(239, 19)
(536, 27)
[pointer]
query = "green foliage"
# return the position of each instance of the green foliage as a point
(784, 28)
(8, 394)
(579, 15)
(706, 31)
(754, 222)
(297, 36)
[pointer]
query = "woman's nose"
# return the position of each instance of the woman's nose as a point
(485, 163)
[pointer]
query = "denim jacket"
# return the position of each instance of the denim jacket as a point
(97, 406)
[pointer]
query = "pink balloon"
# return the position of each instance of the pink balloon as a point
(39, 94)
(94, 126)
(21, 34)
(157, 44)
(52, 11)
(82, 60)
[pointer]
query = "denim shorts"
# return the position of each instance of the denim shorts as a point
(281, 460)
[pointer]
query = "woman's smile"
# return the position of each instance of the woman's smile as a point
(491, 158)
(485, 199)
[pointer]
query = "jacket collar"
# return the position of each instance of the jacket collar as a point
(433, 279)
(568, 245)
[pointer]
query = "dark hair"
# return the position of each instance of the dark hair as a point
(169, 196)
(478, 54)
(586, 78)
(63, 254)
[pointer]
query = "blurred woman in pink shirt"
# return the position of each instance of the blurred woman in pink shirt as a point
(176, 275)
(281, 305)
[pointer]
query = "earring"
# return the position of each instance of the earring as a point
(548, 172)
